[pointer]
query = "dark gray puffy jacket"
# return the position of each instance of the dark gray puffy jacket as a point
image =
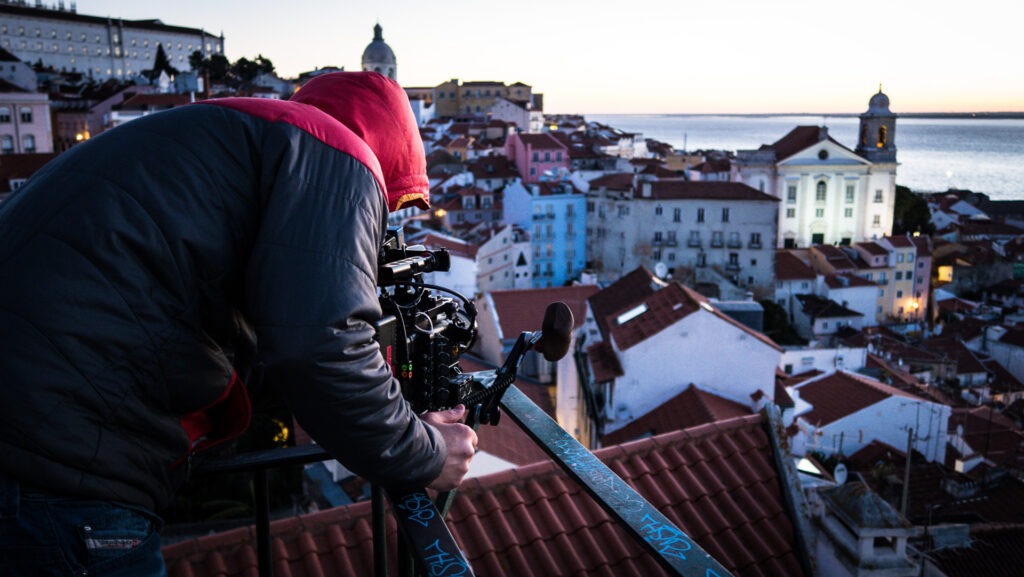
(131, 265)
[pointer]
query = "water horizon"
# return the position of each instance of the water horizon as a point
(935, 152)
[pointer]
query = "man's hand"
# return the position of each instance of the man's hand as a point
(461, 441)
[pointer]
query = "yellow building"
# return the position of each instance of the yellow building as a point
(475, 98)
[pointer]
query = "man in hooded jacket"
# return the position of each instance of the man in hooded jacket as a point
(136, 268)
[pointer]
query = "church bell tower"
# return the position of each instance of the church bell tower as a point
(877, 140)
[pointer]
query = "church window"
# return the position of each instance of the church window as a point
(790, 213)
(849, 194)
(848, 212)
(878, 195)
(819, 192)
(883, 135)
(819, 213)
(791, 194)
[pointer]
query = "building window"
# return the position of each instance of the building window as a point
(791, 194)
(819, 191)
(25, 113)
(910, 258)
(755, 240)
(819, 213)
(536, 157)
(657, 211)
(878, 195)
(876, 221)
(881, 292)
(28, 143)
(899, 294)
(7, 144)
(899, 275)
(725, 215)
(677, 215)
(5, 115)
(700, 215)
(849, 194)
(790, 213)
(848, 212)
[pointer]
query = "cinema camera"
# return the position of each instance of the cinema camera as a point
(422, 333)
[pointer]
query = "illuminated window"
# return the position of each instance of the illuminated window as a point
(883, 135)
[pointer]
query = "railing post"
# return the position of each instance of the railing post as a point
(262, 496)
(380, 532)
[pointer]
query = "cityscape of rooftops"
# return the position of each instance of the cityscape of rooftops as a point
(791, 237)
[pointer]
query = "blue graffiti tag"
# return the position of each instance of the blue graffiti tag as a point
(419, 508)
(443, 563)
(667, 539)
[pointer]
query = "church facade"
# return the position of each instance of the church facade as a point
(829, 193)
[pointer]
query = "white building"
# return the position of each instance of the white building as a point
(829, 193)
(503, 261)
(717, 232)
(657, 338)
(841, 413)
(99, 47)
(462, 275)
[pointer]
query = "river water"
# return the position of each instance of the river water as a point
(979, 154)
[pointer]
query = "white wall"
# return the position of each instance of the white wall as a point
(702, 349)
(825, 360)
(888, 422)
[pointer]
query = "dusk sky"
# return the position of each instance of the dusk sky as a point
(646, 56)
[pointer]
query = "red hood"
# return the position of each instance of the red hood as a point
(377, 110)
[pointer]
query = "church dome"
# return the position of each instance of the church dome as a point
(378, 56)
(879, 103)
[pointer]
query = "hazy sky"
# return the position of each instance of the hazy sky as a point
(646, 56)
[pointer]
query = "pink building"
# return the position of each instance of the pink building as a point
(535, 154)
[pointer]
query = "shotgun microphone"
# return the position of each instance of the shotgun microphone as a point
(555, 332)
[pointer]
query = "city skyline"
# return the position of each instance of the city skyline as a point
(656, 56)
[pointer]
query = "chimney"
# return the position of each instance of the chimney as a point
(646, 189)
(822, 133)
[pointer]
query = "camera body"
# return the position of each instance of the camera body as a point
(422, 332)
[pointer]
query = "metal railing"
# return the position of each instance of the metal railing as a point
(427, 547)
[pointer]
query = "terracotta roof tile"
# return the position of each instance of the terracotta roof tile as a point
(690, 408)
(523, 310)
(840, 394)
(535, 521)
(789, 267)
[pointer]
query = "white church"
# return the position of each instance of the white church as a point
(828, 193)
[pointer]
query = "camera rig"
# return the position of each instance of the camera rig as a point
(422, 334)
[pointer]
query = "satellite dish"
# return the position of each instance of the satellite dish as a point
(660, 270)
(840, 474)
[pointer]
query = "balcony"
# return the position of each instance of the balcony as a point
(544, 216)
(693, 243)
(671, 242)
(755, 245)
(735, 243)
(717, 243)
(732, 266)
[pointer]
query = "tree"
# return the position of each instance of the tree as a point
(162, 63)
(776, 324)
(911, 213)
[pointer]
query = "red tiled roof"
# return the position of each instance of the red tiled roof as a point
(841, 394)
(620, 181)
(455, 246)
(873, 248)
(990, 434)
(707, 190)
(665, 304)
(717, 482)
(18, 166)
(690, 408)
(523, 309)
(789, 267)
(604, 363)
(995, 551)
(541, 141)
(800, 138)
(966, 361)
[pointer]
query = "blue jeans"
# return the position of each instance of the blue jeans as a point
(43, 534)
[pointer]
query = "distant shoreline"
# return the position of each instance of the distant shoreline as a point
(933, 115)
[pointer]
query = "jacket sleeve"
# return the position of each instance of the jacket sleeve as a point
(311, 292)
